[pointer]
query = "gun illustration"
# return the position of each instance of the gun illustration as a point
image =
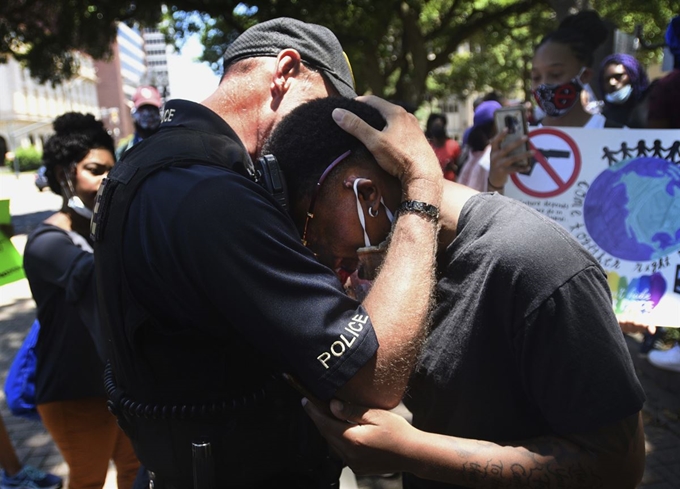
(553, 153)
(547, 153)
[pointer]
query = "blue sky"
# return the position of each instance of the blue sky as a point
(190, 79)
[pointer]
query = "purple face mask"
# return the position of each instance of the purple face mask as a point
(557, 100)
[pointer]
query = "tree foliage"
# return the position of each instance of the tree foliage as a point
(44, 35)
(394, 45)
(500, 55)
(406, 50)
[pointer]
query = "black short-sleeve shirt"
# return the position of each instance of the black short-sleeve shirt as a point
(524, 341)
(59, 267)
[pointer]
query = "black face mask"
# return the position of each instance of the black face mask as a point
(147, 119)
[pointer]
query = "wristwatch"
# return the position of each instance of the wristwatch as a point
(418, 207)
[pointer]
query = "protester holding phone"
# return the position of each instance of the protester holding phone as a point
(561, 68)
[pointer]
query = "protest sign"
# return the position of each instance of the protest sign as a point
(11, 263)
(617, 191)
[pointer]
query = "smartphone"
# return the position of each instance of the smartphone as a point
(515, 120)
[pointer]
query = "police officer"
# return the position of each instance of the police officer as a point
(207, 293)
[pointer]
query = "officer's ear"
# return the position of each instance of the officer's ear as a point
(288, 67)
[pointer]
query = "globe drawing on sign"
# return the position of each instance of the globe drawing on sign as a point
(632, 209)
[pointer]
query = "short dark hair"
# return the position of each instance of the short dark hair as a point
(75, 136)
(307, 140)
(435, 119)
(583, 32)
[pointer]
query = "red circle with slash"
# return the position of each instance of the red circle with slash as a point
(524, 182)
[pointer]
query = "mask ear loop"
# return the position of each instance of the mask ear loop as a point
(360, 211)
(390, 216)
(70, 186)
(69, 183)
(578, 77)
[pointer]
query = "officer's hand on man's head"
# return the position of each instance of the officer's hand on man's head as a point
(400, 148)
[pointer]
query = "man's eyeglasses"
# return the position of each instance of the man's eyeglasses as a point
(315, 194)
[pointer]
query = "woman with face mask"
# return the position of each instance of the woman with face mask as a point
(561, 70)
(59, 266)
(625, 86)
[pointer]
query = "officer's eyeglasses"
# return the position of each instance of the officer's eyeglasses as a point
(310, 211)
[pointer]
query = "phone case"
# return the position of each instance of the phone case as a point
(514, 119)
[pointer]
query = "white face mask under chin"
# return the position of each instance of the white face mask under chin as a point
(74, 202)
(620, 96)
(370, 257)
(79, 207)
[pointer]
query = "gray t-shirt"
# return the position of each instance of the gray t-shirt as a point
(524, 341)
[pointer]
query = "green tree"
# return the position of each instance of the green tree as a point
(500, 56)
(410, 50)
(45, 34)
(394, 45)
(400, 49)
(28, 158)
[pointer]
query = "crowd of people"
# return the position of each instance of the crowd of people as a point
(562, 70)
(257, 280)
(562, 64)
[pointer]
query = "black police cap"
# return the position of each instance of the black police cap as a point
(317, 45)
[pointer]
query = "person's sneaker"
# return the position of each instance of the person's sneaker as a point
(30, 478)
(667, 360)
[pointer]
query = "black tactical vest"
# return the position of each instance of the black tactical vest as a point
(260, 437)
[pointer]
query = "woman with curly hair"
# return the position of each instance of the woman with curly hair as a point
(59, 265)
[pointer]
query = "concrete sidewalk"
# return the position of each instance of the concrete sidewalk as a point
(661, 415)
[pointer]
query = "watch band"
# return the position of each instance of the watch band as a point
(427, 210)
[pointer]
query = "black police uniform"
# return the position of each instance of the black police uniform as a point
(207, 295)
